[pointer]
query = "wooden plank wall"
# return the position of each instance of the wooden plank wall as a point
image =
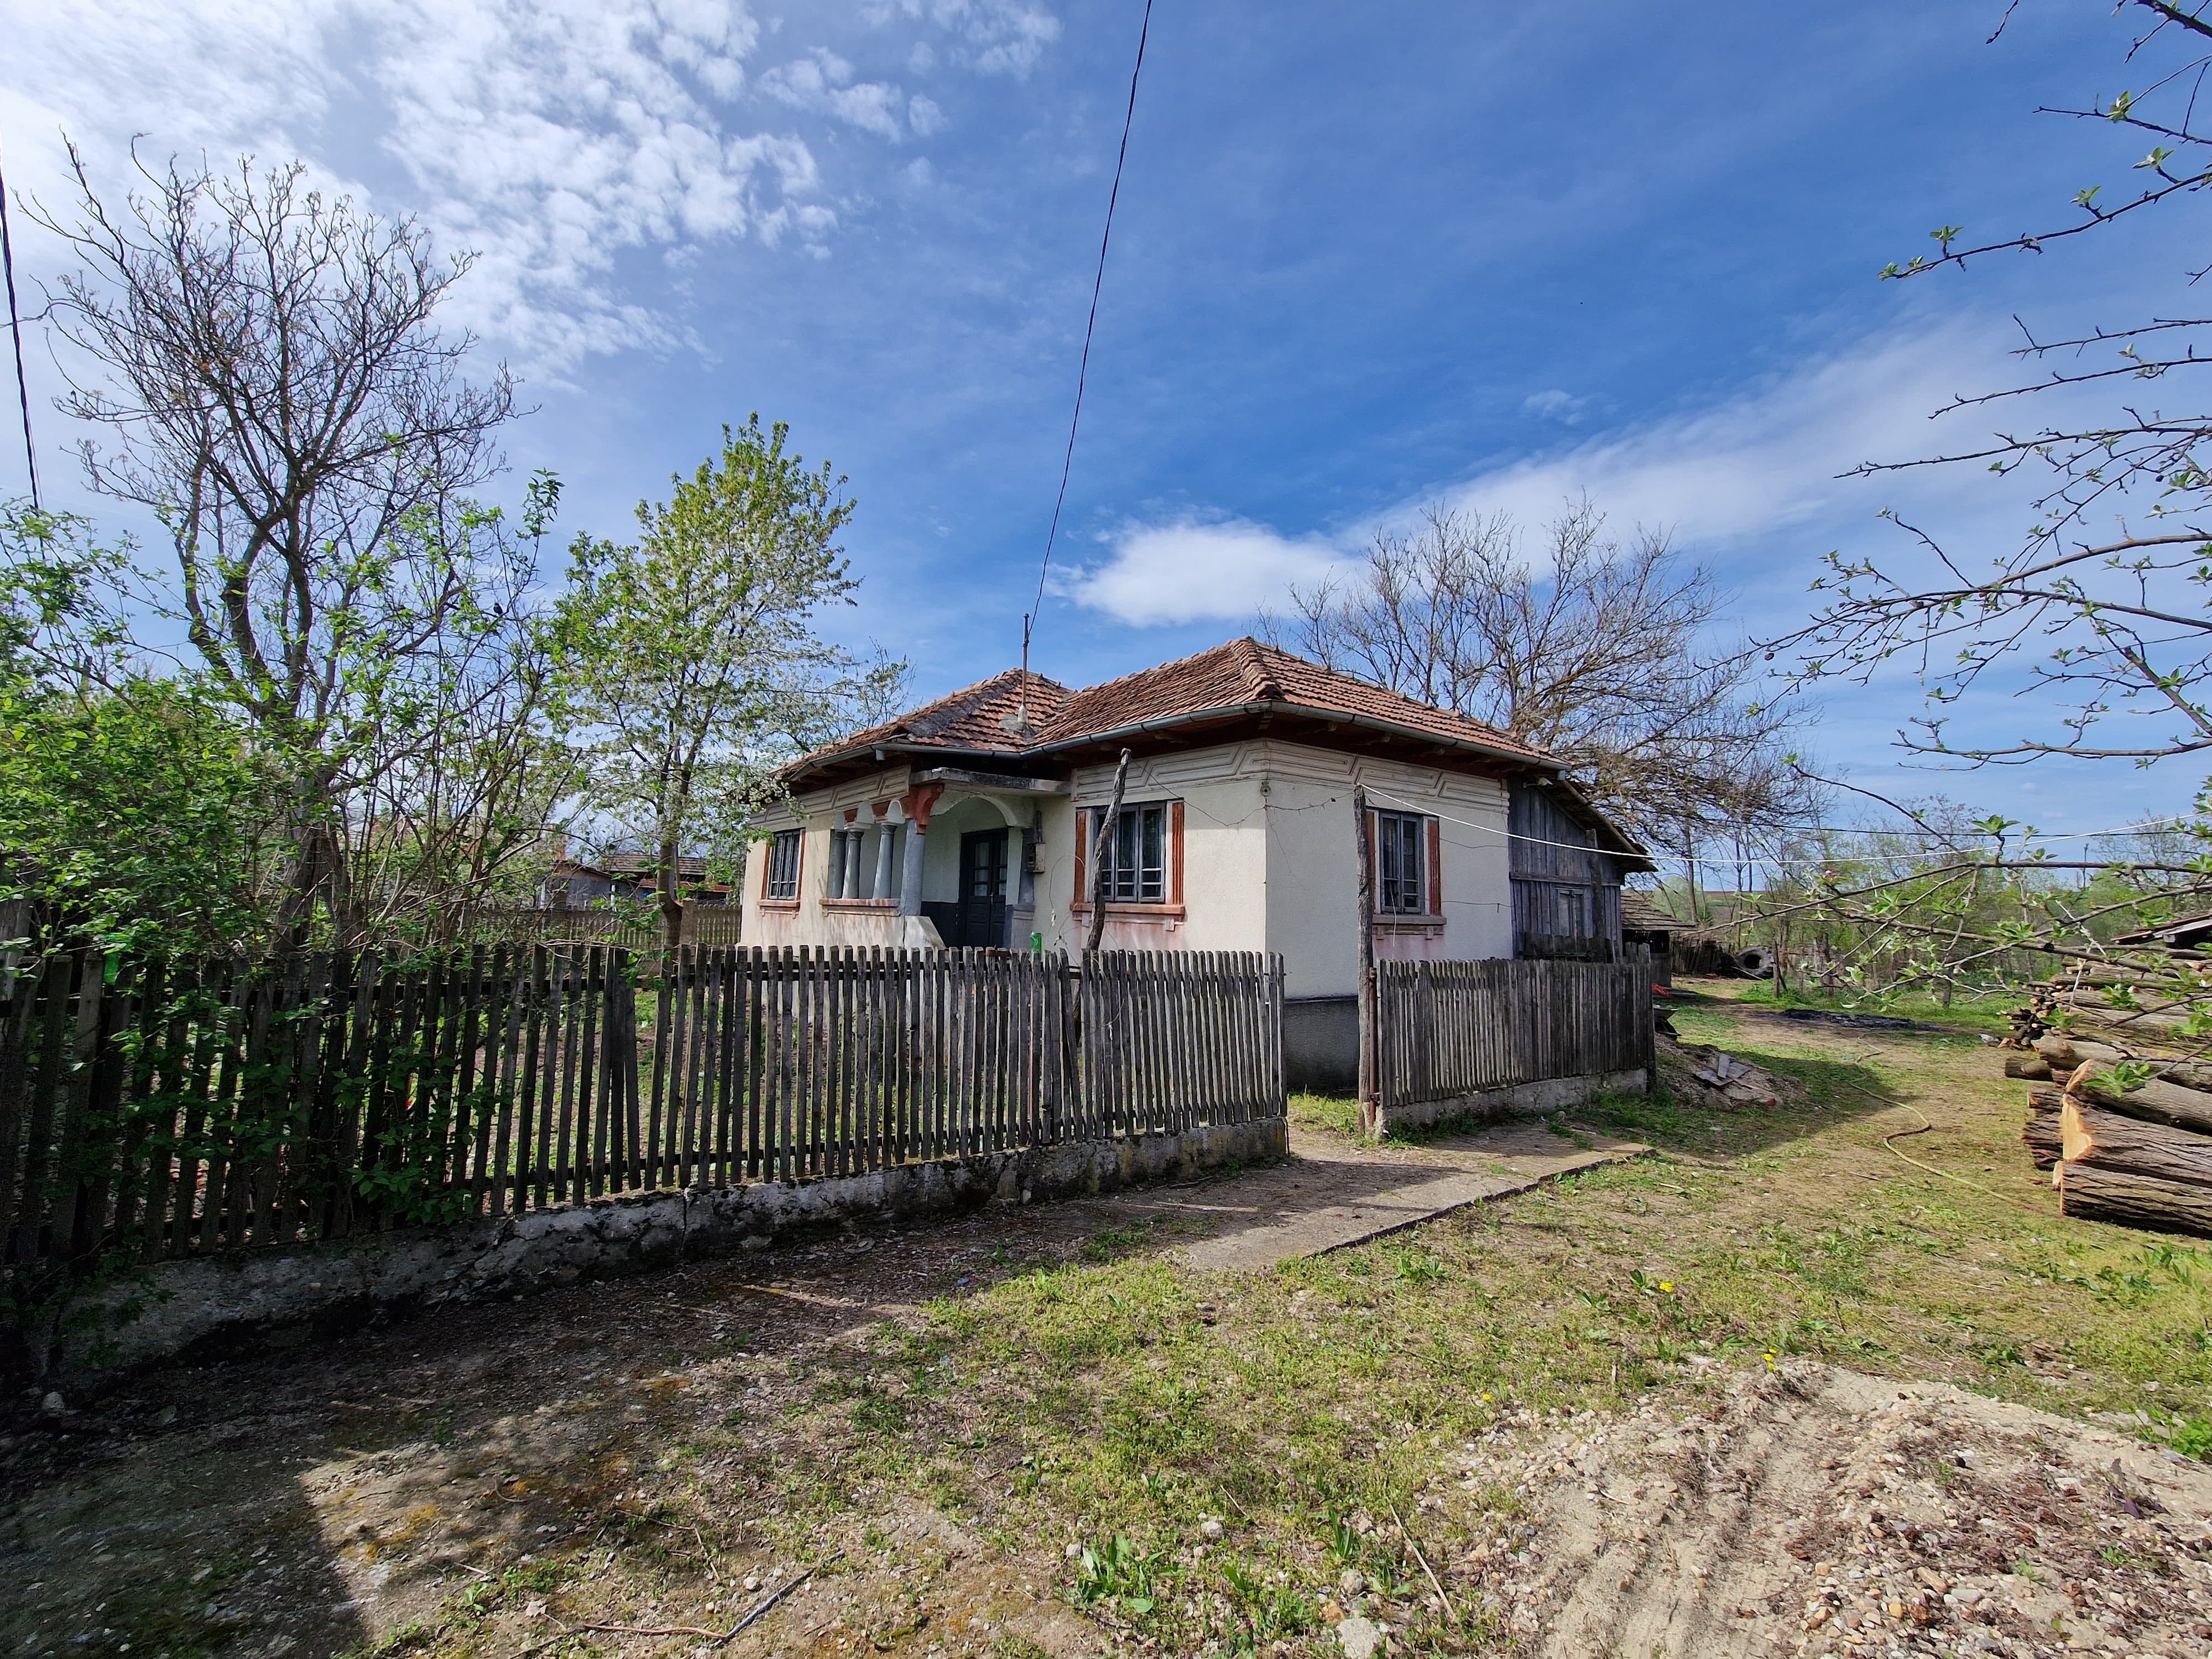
(1553, 853)
(162, 1111)
(1446, 1029)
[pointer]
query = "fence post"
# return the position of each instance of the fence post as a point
(1370, 1102)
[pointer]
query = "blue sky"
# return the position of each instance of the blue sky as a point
(1366, 257)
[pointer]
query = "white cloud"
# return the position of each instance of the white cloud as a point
(1191, 570)
(549, 134)
(993, 37)
(822, 81)
(1555, 405)
(1753, 472)
(1767, 458)
(552, 137)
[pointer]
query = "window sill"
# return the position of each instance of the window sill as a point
(1137, 912)
(878, 906)
(1409, 924)
(791, 905)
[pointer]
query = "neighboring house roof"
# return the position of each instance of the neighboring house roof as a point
(645, 864)
(1015, 714)
(2183, 934)
(1641, 914)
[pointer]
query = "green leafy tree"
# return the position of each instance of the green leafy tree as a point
(134, 811)
(690, 660)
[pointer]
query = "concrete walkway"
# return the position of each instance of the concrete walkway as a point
(1333, 1192)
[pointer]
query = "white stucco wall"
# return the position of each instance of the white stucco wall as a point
(1224, 880)
(1269, 859)
(817, 813)
(1313, 862)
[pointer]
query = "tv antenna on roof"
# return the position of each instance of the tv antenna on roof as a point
(1082, 372)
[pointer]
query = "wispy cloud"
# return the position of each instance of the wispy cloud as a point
(552, 137)
(1759, 468)
(1555, 405)
(822, 81)
(992, 37)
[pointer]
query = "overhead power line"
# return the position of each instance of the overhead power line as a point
(15, 332)
(1083, 369)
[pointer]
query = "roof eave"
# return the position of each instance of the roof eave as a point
(1303, 711)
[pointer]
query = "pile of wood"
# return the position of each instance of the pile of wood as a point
(2139, 1155)
(1696, 1071)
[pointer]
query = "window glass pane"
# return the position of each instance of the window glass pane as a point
(1401, 852)
(1134, 854)
(783, 865)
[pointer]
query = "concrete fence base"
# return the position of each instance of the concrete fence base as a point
(1552, 1094)
(220, 1305)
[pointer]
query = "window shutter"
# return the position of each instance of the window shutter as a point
(1435, 870)
(1174, 852)
(1082, 857)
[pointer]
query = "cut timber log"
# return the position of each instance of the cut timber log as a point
(2064, 1053)
(2041, 1132)
(2110, 1141)
(2087, 1192)
(2033, 1067)
(2156, 1102)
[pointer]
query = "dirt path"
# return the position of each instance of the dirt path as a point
(306, 1503)
(661, 1455)
(1816, 1510)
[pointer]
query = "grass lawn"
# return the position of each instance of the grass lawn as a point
(1193, 1459)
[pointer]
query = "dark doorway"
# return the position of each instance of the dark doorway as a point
(982, 920)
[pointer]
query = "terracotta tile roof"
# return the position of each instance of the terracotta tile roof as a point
(973, 718)
(1246, 671)
(1239, 674)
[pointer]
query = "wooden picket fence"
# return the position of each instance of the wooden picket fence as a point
(1449, 1029)
(632, 929)
(153, 1111)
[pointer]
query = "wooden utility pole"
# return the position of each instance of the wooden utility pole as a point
(1106, 835)
(1370, 1101)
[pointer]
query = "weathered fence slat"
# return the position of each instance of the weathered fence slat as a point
(162, 1109)
(1449, 1029)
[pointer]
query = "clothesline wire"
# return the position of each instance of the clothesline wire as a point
(1716, 864)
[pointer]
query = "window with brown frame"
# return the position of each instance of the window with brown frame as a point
(1407, 881)
(781, 884)
(1142, 853)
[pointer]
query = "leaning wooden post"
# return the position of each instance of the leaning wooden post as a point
(1098, 857)
(1371, 1093)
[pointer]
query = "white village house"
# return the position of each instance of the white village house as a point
(977, 820)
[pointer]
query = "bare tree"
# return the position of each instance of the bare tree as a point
(2102, 600)
(281, 398)
(1596, 650)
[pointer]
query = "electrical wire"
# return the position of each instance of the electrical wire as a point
(1429, 810)
(1083, 369)
(16, 331)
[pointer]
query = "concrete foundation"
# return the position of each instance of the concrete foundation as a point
(1552, 1094)
(214, 1306)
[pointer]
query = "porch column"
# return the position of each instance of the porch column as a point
(917, 804)
(835, 888)
(852, 887)
(881, 887)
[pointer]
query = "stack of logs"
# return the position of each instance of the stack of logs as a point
(2142, 1156)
